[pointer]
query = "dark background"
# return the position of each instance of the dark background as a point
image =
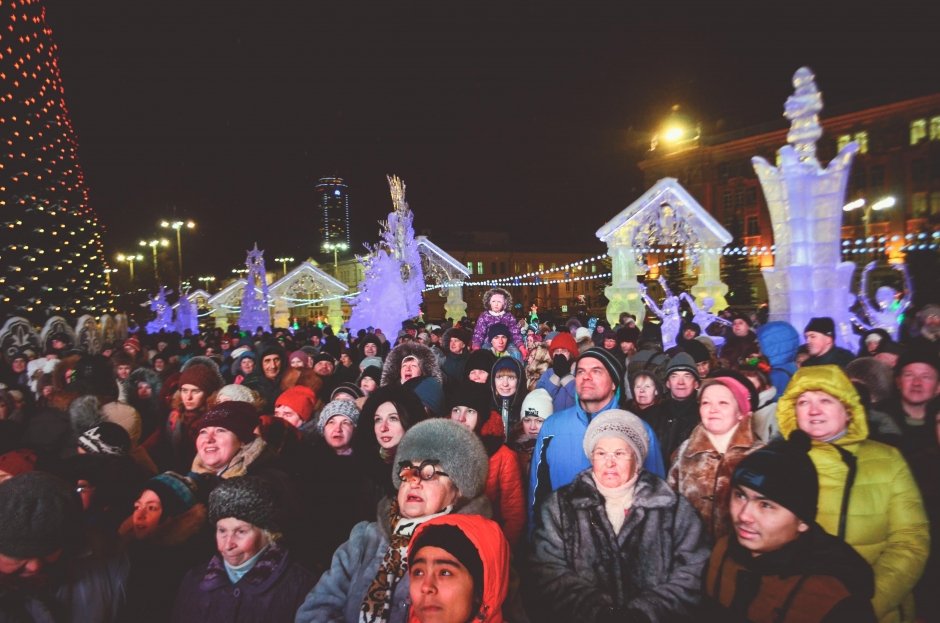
(523, 117)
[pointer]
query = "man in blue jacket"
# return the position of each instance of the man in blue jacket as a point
(559, 452)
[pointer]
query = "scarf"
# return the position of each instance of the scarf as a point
(376, 606)
(617, 500)
(238, 572)
(238, 466)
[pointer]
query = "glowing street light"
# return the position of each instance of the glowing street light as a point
(130, 258)
(283, 261)
(335, 247)
(677, 130)
(107, 275)
(884, 203)
(153, 244)
(205, 280)
(178, 225)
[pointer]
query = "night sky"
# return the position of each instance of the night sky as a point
(527, 118)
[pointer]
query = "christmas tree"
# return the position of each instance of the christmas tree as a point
(255, 311)
(51, 255)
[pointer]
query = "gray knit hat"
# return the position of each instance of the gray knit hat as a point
(248, 498)
(621, 424)
(39, 514)
(682, 362)
(458, 449)
(346, 408)
(239, 393)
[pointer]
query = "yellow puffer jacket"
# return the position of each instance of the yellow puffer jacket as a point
(885, 522)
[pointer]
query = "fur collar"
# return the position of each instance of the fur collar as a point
(699, 443)
(174, 531)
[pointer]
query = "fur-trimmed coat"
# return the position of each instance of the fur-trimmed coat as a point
(703, 475)
(391, 370)
(339, 593)
(581, 570)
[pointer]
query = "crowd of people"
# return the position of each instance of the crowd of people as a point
(498, 470)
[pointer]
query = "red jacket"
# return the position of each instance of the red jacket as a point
(504, 487)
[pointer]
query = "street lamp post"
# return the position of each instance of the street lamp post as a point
(884, 203)
(335, 247)
(130, 258)
(178, 225)
(205, 280)
(153, 244)
(107, 275)
(283, 261)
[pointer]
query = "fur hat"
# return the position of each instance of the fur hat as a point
(682, 362)
(824, 325)
(202, 372)
(239, 417)
(124, 416)
(299, 398)
(106, 438)
(497, 328)
(249, 498)
(391, 370)
(538, 403)
(345, 408)
(621, 424)
(461, 334)
(459, 451)
(611, 363)
(235, 392)
(784, 473)
(177, 493)
(39, 515)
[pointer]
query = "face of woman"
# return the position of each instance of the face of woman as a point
(465, 415)
(367, 385)
(216, 446)
(288, 415)
(147, 513)
(248, 365)
(506, 384)
(410, 369)
(370, 349)
(192, 397)
(820, 415)
(345, 360)
(718, 410)
(613, 462)
(237, 540)
(338, 433)
(388, 426)
(644, 391)
(417, 497)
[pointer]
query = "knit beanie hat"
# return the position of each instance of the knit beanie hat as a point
(682, 362)
(582, 334)
(473, 395)
(609, 361)
(784, 473)
(347, 388)
(482, 359)
(566, 341)
(744, 392)
(372, 372)
(248, 498)
(324, 356)
(132, 344)
(39, 514)
(460, 453)
(917, 355)
(697, 350)
(372, 362)
(538, 403)
(239, 417)
(461, 334)
(621, 424)
(299, 398)
(451, 539)
(495, 329)
(124, 416)
(345, 408)
(203, 375)
(235, 392)
(106, 438)
(824, 325)
(177, 493)
(298, 354)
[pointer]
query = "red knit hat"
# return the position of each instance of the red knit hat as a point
(299, 398)
(202, 377)
(565, 340)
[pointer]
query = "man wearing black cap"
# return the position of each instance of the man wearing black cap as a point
(679, 412)
(820, 334)
(779, 562)
(559, 453)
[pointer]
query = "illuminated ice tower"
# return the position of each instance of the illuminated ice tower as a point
(805, 204)
(333, 205)
(51, 256)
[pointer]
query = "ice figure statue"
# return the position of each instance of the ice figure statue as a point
(255, 310)
(668, 313)
(704, 318)
(805, 205)
(393, 284)
(164, 313)
(186, 315)
(887, 311)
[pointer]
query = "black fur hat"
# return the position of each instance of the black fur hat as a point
(248, 498)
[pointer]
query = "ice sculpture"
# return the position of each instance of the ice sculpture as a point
(391, 290)
(187, 315)
(888, 309)
(703, 316)
(255, 308)
(668, 313)
(164, 313)
(805, 204)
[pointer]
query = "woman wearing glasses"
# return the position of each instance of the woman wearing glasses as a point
(440, 468)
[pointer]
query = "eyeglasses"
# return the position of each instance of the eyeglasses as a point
(426, 471)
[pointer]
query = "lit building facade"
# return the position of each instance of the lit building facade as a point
(332, 197)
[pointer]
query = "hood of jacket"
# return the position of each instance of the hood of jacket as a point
(515, 366)
(391, 371)
(493, 549)
(829, 379)
(779, 342)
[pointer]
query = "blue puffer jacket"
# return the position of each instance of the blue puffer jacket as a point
(563, 454)
(779, 342)
(561, 390)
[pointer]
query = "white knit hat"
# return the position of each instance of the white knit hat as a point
(621, 424)
(538, 403)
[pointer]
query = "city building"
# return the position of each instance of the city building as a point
(332, 197)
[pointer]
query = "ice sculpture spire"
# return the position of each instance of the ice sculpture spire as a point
(805, 205)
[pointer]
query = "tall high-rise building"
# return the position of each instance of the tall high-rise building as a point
(333, 202)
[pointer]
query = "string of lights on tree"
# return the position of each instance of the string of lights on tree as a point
(51, 254)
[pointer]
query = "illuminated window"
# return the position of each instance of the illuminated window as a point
(935, 128)
(593, 268)
(842, 141)
(862, 139)
(470, 267)
(934, 204)
(919, 205)
(479, 268)
(918, 130)
(541, 266)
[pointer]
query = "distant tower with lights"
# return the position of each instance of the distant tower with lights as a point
(51, 255)
(333, 209)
